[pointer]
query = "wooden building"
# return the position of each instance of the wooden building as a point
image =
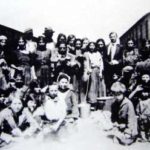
(139, 31)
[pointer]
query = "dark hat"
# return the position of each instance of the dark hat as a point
(48, 30)
(28, 30)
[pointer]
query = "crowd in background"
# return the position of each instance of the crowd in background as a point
(42, 82)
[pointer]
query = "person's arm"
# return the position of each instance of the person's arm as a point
(101, 67)
(56, 126)
(137, 89)
(132, 120)
(32, 122)
(75, 110)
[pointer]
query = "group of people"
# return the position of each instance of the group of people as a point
(42, 82)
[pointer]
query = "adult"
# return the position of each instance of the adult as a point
(113, 59)
(131, 54)
(42, 62)
(95, 67)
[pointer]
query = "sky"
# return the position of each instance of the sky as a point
(84, 18)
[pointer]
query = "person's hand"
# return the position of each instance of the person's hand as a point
(100, 75)
(114, 62)
(71, 63)
(139, 88)
(16, 132)
(54, 128)
(19, 68)
(122, 126)
(115, 124)
(89, 71)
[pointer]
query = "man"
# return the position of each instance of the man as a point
(31, 46)
(48, 33)
(113, 59)
(65, 63)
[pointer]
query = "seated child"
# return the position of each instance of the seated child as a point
(143, 113)
(16, 120)
(68, 96)
(52, 112)
(123, 116)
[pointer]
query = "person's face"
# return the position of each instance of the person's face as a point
(85, 43)
(71, 42)
(21, 42)
(145, 78)
(19, 82)
(2, 98)
(41, 43)
(113, 38)
(3, 42)
(37, 90)
(19, 79)
(130, 44)
(16, 105)
(48, 34)
(62, 38)
(31, 105)
(53, 91)
(92, 47)
(12, 84)
(118, 96)
(147, 44)
(78, 44)
(4, 66)
(100, 44)
(63, 84)
(62, 49)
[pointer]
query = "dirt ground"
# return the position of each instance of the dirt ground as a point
(87, 134)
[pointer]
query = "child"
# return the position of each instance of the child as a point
(143, 113)
(17, 121)
(68, 96)
(52, 112)
(123, 116)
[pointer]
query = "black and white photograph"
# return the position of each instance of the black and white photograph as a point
(74, 74)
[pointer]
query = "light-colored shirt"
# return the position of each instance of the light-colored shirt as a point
(31, 46)
(95, 59)
(52, 109)
(112, 50)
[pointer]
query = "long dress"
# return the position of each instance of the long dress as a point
(96, 84)
(23, 60)
(42, 67)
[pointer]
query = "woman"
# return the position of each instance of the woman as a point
(67, 95)
(131, 54)
(61, 38)
(95, 67)
(70, 44)
(85, 42)
(42, 62)
(101, 46)
(145, 51)
(22, 61)
(16, 120)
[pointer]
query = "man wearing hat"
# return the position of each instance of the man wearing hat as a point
(48, 33)
(31, 46)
